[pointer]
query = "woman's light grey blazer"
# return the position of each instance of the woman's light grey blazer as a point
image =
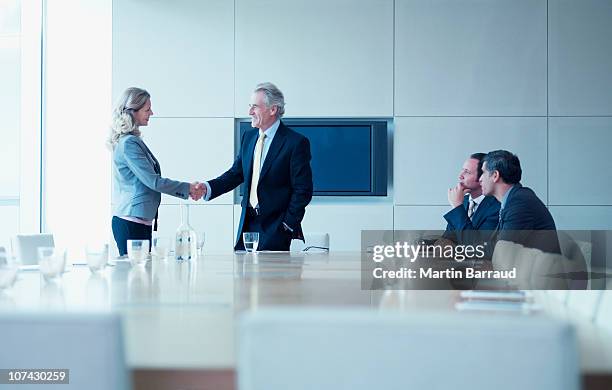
(137, 181)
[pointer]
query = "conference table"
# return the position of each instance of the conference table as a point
(180, 318)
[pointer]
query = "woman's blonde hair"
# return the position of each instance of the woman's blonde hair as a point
(132, 100)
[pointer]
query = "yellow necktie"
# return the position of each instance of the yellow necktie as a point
(256, 169)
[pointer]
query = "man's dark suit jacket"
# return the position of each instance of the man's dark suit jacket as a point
(526, 220)
(459, 224)
(284, 190)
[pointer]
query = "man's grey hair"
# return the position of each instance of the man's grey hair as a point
(272, 97)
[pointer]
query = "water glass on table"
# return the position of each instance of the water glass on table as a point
(251, 240)
(97, 257)
(201, 240)
(52, 262)
(8, 269)
(138, 251)
(161, 246)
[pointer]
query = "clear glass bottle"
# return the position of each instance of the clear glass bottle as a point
(186, 247)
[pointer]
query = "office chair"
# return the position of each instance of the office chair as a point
(89, 345)
(315, 242)
(26, 246)
(312, 348)
(578, 262)
(535, 269)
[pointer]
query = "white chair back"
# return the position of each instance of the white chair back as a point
(560, 295)
(536, 269)
(315, 242)
(603, 317)
(89, 345)
(578, 255)
(320, 349)
(584, 303)
(26, 246)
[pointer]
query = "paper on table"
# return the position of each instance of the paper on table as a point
(504, 306)
(496, 295)
(29, 267)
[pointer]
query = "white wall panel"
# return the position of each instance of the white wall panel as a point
(214, 220)
(181, 51)
(429, 153)
(579, 161)
(582, 217)
(420, 217)
(477, 57)
(195, 149)
(344, 223)
(330, 58)
(580, 57)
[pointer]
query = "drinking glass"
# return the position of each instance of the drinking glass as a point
(201, 240)
(51, 262)
(138, 251)
(8, 270)
(97, 257)
(251, 240)
(161, 246)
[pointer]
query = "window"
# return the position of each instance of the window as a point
(10, 117)
(55, 78)
(77, 95)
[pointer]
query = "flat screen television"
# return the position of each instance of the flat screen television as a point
(349, 157)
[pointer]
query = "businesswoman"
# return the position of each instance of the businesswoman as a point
(137, 180)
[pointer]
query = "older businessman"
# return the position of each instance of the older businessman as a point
(274, 165)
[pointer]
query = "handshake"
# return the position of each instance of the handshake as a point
(197, 190)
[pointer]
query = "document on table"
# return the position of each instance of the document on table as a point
(497, 295)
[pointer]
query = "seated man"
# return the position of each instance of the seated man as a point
(523, 218)
(472, 210)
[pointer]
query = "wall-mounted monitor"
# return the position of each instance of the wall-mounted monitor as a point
(349, 157)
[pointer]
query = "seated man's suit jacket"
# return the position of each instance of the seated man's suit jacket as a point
(459, 224)
(285, 185)
(526, 220)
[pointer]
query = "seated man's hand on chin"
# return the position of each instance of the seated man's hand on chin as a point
(456, 194)
(442, 242)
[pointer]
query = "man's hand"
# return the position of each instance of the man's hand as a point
(197, 190)
(456, 194)
(442, 242)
